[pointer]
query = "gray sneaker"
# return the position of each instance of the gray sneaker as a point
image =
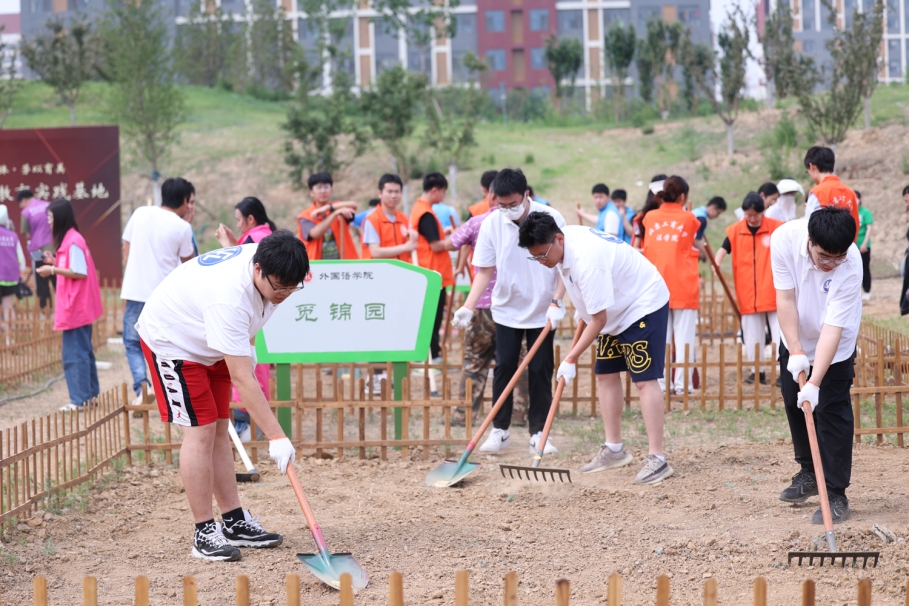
(654, 471)
(606, 459)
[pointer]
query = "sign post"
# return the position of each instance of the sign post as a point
(353, 312)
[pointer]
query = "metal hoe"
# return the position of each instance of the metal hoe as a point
(251, 474)
(328, 567)
(523, 473)
(450, 473)
(832, 556)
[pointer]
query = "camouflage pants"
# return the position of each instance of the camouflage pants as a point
(479, 354)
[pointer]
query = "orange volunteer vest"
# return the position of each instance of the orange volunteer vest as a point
(669, 233)
(751, 266)
(436, 261)
(480, 207)
(390, 233)
(339, 228)
(833, 192)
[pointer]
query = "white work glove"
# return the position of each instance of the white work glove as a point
(555, 315)
(282, 452)
(808, 397)
(252, 354)
(462, 317)
(798, 364)
(567, 370)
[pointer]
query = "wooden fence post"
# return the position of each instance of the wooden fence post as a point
(242, 590)
(808, 593)
(864, 592)
(511, 589)
(760, 591)
(710, 592)
(462, 588)
(292, 588)
(662, 598)
(142, 591)
(90, 591)
(395, 589)
(614, 590)
(563, 592)
(40, 585)
(346, 590)
(189, 592)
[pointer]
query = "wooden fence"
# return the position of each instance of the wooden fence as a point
(396, 597)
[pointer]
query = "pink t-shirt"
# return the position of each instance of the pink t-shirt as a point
(467, 234)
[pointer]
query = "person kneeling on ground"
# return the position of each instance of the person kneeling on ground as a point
(625, 303)
(817, 273)
(196, 330)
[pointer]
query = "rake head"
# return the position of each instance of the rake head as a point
(248, 476)
(838, 558)
(521, 472)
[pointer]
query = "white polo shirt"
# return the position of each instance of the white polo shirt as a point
(207, 308)
(524, 288)
(832, 297)
(602, 272)
(158, 239)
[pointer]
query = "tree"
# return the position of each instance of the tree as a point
(727, 68)
(64, 58)
(9, 83)
(644, 63)
(849, 79)
(657, 55)
(138, 62)
(619, 46)
(780, 62)
(696, 59)
(269, 46)
(564, 58)
(205, 45)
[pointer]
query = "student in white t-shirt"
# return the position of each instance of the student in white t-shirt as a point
(525, 297)
(817, 273)
(624, 301)
(155, 242)
(196, 330)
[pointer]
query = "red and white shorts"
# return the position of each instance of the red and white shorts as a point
(189, 393)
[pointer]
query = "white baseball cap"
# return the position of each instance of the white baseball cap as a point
(788, 186)
(656, 187)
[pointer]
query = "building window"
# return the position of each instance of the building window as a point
(418, 54)
(496, 59)
(467, 25)
(646, 13)
(894, 70)
(495, 21)
(808, 20)
(615, 15)
(76, 5)
(386, 45)
(571, 23)
(807, 46)
(539, 20)
(690, 15)
(541, 92)
(850, 7)
(893, 16)
(342, 38)
(825, 19)
(538, 58)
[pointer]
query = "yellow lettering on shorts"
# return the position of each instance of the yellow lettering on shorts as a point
(636, 356)
(608, 348)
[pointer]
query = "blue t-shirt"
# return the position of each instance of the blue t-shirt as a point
(361, 216)
(447, 214)
(701, 213)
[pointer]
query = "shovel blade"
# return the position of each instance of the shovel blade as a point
(449, 473)
(539, 474)
(330, 571)
(835, 558)
(248, 476)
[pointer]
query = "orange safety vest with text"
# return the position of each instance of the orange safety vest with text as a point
(391, 233)
(479, 208)
(751, 271)
(339, 228)
(833, 192)
(436, 261)
(669, 235)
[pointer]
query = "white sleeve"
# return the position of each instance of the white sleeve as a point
(20, 256)
(597, 289)
(186, 243)
(370, 235)
(841, 307)
(611, 224)
(779, 250)
(559, 219)
(484, 255)
(128, 232)
(227, 329)
(811, 204)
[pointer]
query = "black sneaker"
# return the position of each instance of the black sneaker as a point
(763, 378)
(210, 544)
(749, 379)
(779, 382)
(803, 485)
(249, 533)
(839, 510)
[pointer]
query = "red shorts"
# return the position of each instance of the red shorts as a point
(189, 393)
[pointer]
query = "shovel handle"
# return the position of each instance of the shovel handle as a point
(307, 510)
(239, 446)
(719, 274)
(818, 464)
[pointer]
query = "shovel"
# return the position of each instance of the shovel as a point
(251, 474)
(450, 473)
(833, 556)
(328, 567)
(523, 473)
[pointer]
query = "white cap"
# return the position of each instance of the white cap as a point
(656, 187)
(4, 217)
(788, 186)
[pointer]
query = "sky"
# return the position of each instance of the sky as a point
(9, 6)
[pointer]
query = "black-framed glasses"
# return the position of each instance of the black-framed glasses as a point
(283, 290)
(545, 255)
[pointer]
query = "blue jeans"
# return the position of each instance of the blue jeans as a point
(134, 355)
(79, 365)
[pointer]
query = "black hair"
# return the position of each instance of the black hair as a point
(753, 201)
(600, 188)
(620, 194)
(508, 182)
(318, 179)
(537, 228)
(822, 157)
(373, 203)
(64, 219)
(175, 192)
(530, 189)
(389, 178)
(434, 180)
(253, 207)
(905, 190)
(768, 189)
(649, 202)
(719, 202)
(673, 188)
(24, 194)
(832, 228)
(858, 194)
(488, 177)
(282, 256)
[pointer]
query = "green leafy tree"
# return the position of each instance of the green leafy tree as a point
(696, 59)
(269, 48)
(657, 51)
(564, 58)
(138, 62)
(850, 78)
(10, 85)
(620, 43)
(205, 45)
(64, 58)
(780, 62)
(644, 63)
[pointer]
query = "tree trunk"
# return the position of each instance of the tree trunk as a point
(730, 138)
(453, 183)
(769, 96)
(405, 194)
(72, 113)
(156, 187)
(867, 103)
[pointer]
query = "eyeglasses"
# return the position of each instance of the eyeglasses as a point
(283, 290)
(544, 256)
(828, 261)
(509, 206)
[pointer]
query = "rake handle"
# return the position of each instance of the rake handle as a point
(307, 510)
(719, 274)
(240, 449)
(818, 470)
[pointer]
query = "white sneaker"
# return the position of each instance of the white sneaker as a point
(866, 296)
(497, 440)
(535, 441)
(137, 400)
(70, 408)
(246, 434)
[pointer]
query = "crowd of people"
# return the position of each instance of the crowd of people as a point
(633, 277)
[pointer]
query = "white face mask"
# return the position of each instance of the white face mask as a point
(515, 213)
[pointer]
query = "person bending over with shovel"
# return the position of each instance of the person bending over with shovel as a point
(817, 273)
(195, 332)
(624, 301)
